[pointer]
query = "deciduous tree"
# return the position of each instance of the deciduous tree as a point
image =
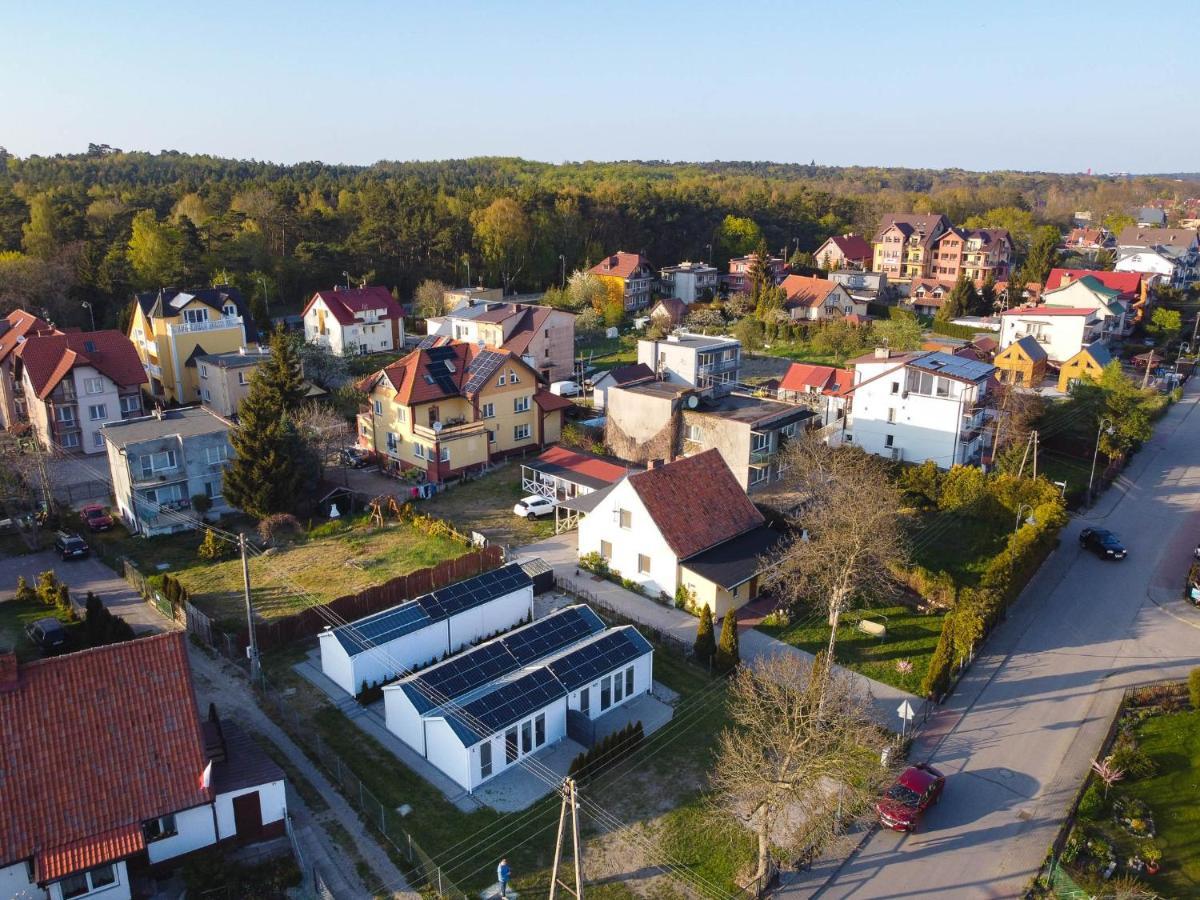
(503, 233)
(154, 251)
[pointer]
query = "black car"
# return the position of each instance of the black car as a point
(48, 635)
(71, 546)
(1102, 542)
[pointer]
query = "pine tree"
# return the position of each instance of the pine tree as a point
(25, 594)
(728, 655)
(960, 301)
(705, 645)
(759, 273)
(283, 373)
(211, 548)
(62, 601)
(47, 588)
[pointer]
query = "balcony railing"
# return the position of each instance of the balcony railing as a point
(207, 325)
(153, 369)
(158, 477)
(450, 432)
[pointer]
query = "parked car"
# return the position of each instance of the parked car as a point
(96, 518)
(918, 788)
(1102, 542)
(71, 546)
(533, 506)
(355, 458)
(48, 635)
(566, 389)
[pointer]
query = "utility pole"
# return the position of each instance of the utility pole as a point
(1149, 366)
(569, 799)
(1035, 454)
(252, 650)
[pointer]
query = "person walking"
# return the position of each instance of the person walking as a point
(503, 874)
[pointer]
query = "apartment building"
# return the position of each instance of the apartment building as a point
(904, 244)
(161, 461)
(695, 360)
(354, 321)
(75, 383)
(542, 336)
(169, 326)
(15, 329)
(628, 276)
(976, 254)
(689, 281)
(1090, 293)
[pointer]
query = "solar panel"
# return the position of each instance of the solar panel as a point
(482, 368)
(552, 633)
(428, 341)
(507, 704)
(589, 662)
(441, 353)
(355, 637)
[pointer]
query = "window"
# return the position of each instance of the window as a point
(692, 433)
(65, 414)
(629, 682)
(502, 380)
(491, 437)
(216, 454)
(82, 883)
(888, 440)
(510, 746)
(243, 378)
(98, 439)
(419, 451)
(618, 688)
(207, 395)
(526, 737)
(759, 474)
(943, 387)
(157, 829)
(70, 439)
(895, 387)
(585, 701)
(98, 412)
(521, 404)
(194, 316)
(605, 694)
(156, 462)
(391, 441)
(625, 518)
(521, 432)
(445, 454)
(643, 564)
(539, 729)
(379, 407)
(512, 376)
(212, 490)
(132, 403)
(605, 550)
(488, 411)
(229, 311)
(93, 385)
(891, 415)
(203, 371)
(485, 759)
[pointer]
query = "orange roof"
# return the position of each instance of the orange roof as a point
(1128, 283)
(90, 851)
(1048, 311)
(803, 375)
(585, 464)
(619, 264)
(48, 358)
(806, 291)
(21, 325)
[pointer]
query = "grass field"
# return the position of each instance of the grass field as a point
(14, 616)
(958, 543)
(485, 505)
(910, 636)
(608, 352)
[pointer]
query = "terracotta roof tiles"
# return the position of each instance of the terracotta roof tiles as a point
(345, 303)
(48, 358)
(21, 325)
(619, 264)
(806, 291)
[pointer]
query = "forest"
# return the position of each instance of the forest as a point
(80, 233)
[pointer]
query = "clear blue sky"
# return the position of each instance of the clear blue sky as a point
(1014, 85)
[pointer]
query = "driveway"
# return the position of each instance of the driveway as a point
(81, 576)
(1018, 735)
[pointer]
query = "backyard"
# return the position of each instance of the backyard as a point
(604, 353)
(15, 615)
(957, 542)
(485, 505)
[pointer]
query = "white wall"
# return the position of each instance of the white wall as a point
(15, 884)
(117, 891)
(272, 804)
(642, 537)
(402, 718)
(108, 398)
(494, 616)
(446, 752)
(643, 681)
(195, 830)
(1066, 334)
(556, 730)
(332, 340)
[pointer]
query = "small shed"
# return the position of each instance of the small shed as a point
(540, 572)
(1088, 363)
(1022, 362)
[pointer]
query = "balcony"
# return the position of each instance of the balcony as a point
(158, 477)
(450, 432)
(207, 325)
(153, 369)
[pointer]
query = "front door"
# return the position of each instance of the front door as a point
(247, 816)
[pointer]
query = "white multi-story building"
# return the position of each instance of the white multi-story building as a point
(354, 321)
(1061, 330)
(693, 359)
(920, 406)
(689, 281)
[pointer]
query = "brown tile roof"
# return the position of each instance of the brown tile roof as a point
(345, 303)
(853, 246)
(583, 464)
(631, 373)
(909, 223)
(533, 319)
(619, 264)
(675, 308)
(696, 502)
(94, 744)
(407, 375)
(548, 402)
(21, 324)
(48, 358)
(806, 291)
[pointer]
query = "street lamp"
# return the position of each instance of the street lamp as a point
(1096, 452)
(562, 261)
(91, 312)
(262, 282)
(709, 260)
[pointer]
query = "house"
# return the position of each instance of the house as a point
(693, 359)
(225, 378)
(738, 279)
(478, 713)
(1060, 330)
(668, 312)
(74, 383)
(618, 377)
(542, 336)
(1088, 363)
(1023, 362)
(904, 245)
(450, 408)
(689, 281)
(169, 326)
(628, 277)
(468, 296)
(819, 388)
(819, 300)
(1151, 217)
(15, 329)
(1132, 289)
(110, 776)
(686, 523)
(159, 462)
(1152, 251)
(1152, 264)
(869, 287)
(920, 406)
(844, 251)
(354, 321)
(1090, 293)
(926, 295)
(1088, 241)
(574, 478)
(389, 644)
(977, 254)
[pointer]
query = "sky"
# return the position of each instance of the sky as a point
(1015, 85)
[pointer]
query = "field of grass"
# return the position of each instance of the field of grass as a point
(958, 543)
(14, 616)
(910, 636)
(608, 352)
(485, 505)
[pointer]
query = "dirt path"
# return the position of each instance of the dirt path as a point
(218, 682)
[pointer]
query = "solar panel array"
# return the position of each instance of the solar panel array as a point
(552, 633)
(949, 364)
(428, 341)
(589, 662)
(482, 368)
(382, 627)
(453, 599)
(509, 703)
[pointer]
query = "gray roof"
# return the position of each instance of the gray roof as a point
(951, 366)
(235, 359)
(753, 410)
(190, 422)
(697, 341)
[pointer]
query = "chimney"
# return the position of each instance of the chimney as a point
(9, 671)
(883, 353)
(654, 464)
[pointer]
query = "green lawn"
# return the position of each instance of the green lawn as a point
(958, 543)
(608, 352)
(1060, 467)
(802, 352)
(14, 616)
(910, 636)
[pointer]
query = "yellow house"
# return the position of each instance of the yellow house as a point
(1023, 362)
(628, 277)
(1089, 362)
(171, 326)
(452, 407)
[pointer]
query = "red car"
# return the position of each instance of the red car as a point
(917, 789)
(96, 518)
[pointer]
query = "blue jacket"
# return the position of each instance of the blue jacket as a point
(502, 873)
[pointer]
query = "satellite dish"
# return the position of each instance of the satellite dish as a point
(693, 401)
(437, 426)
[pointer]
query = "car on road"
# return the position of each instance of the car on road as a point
(354, 458)
(1102, 542)
(71, 546)
(48, 635)
(96, 517)
(533, 506)
(918, 788)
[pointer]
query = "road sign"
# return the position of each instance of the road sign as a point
(905, 711)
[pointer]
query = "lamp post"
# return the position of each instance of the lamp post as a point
(92, 313)
(709, 260)
(1096, 452)
(262, 283)
(562, 262)
(1017, 527)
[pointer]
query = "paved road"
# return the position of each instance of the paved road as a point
(1018, 735)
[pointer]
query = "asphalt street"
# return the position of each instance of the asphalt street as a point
(1018, 735)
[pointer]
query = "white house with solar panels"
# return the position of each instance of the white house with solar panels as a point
(420, 631)
(484, 710)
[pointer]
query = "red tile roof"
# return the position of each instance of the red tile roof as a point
(345, 303)
(21, 325)
(696, 503)
(986, 344)
(407, 375)
(1128, 283)
(583, 464)
(802, 375)
(48, 358)
(852, 246)
(806, 291)
(548, 402)
(675, 308)
(619, 264)
(533, 319)
(95, 743)
(1048, 311)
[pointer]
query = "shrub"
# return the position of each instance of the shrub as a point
(1130, 758)
(47, 588)
(62, 602)
(922, 483)
(963, 487)
(26, 594)
(211, 548)
(594, 563)
(1091, 804)
(705, 645)
(1194, 687)
(937, 679)
(275, 525)
(728, 654)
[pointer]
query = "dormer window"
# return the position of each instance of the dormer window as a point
(229, 311)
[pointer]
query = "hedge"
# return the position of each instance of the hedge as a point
(949, 329)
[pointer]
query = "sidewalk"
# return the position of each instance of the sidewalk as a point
(559, 552)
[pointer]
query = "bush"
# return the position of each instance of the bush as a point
(923, 483)
(1194, 687)
(275, 525)
(26, 594)
(728, 653)
(594, 563)
(937, 679)
(47, 588)
(608, 750)
(705, 645)
(211, 548)
(1091, 804)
